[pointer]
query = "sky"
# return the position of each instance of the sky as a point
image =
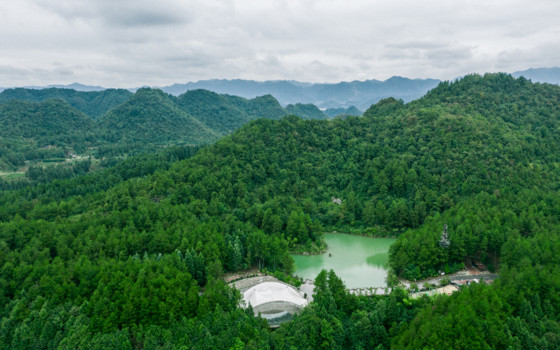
(132, 43)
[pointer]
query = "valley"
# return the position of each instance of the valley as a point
(45, 128)
(191, 188)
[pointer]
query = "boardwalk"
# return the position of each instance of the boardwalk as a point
(370, 291)
(307, 287)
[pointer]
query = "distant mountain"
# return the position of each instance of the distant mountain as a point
(541, 75)
(263, 107)
(333, 112)
(213, 109)
(52, 122)
(225, 113)
(41, 131)
(152, 116)
(306, 111)
(78, 87)
(73, 86)
(361, 94)
(282, 90)
(92, 103)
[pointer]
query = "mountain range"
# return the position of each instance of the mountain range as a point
(51, 123)
(133, 257)
(541, 75)
(92, 103)
(360, 94)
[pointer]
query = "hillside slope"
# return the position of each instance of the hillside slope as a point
(305, 111)
(92, 103)
(128, 123)
(151, 116)
(225, 113)
(40, 130)
(123, 263)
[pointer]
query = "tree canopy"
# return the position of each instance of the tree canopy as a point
(131, 256)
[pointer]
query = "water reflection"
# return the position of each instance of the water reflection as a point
(379, 260)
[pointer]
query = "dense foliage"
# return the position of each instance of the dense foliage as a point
(152, 117)
(44, 127)
(45, 130)
(335, 112)
(520, 311)
(131, 257)
(92, 103)
(225, 113)
(305, 111)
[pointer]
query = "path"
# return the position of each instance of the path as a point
(466, 274)
(370, 291)
(246, 283)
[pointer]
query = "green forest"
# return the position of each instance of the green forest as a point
(132, 255)
(56, 128)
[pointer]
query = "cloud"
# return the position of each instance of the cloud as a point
(10, 73)
(121, 13)
(131, 43)
(421, 43)
(450, 54)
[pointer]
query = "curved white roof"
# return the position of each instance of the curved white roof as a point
(273, 291)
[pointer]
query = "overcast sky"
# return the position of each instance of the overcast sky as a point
(129, 43)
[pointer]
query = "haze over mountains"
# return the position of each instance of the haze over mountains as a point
(540, 75)
(360, 94)
(121, 256)
(123, 121)
(92, 103)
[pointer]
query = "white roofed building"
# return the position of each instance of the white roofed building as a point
(275, 301)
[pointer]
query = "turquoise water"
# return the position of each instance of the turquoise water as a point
(359, 261)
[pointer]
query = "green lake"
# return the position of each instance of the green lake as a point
(359, 261)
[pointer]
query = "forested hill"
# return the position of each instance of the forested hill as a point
(196, 117)
(307, 111)
(225, 113)
(121, 123)
(153, 116)
(333, 112)
(92, 103)
(41, 130)
(52, 118)
(122, 265)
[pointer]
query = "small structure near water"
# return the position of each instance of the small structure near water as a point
(274, 296)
